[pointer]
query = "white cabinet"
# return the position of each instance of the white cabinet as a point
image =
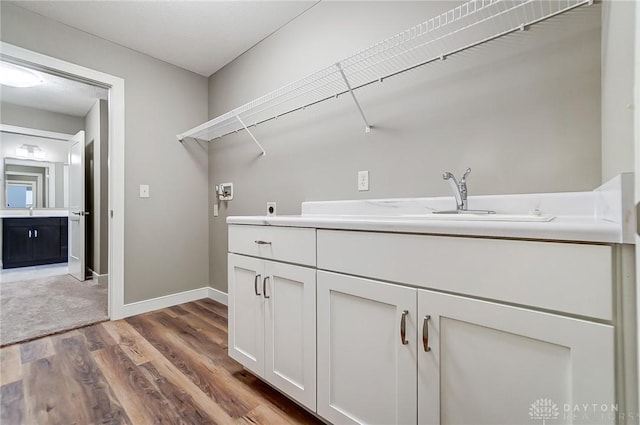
(272, 324)
(484, 363)
(490, 363)
(423, 329)
(365, 373)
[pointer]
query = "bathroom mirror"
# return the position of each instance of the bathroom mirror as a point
(35, 184)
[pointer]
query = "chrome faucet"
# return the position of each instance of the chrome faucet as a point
(30, 210)
(459, 188)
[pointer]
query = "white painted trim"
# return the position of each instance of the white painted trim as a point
(636, 107)
(100, 278)
(165, 301)
(218, 296)
(116, 157)
(35, 132)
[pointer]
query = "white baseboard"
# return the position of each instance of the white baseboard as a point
(218, 296)
(100, 278)
(165, 301)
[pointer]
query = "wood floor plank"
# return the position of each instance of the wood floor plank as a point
(266, 415)
(12, 403)
(97, 337)
(178, 310)
(47, 400)
(36, 349)
(138, 349)
(199, 336)
(91, 392)
(214, 306)
(272, 397)
(207, 315)
(169, 366)
(195, 331)
(174, 375)
(180, 400)
(195, 366)
(140, 400)
(10, 364)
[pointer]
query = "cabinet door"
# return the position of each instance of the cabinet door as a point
(365, 373)
(497, 364)
(46, 241)
(246, 312)
(17, 246)
(290, 331)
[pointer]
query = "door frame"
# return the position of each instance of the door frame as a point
(115, 85)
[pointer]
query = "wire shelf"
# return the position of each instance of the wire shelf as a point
(465, 26)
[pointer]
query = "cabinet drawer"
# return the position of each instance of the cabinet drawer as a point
(290, 244)
(566, 277)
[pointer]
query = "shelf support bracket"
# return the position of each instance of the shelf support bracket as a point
(367, 127)
(251, 134)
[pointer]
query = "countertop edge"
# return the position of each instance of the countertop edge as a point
(561, 229)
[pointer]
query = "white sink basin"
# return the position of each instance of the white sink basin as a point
(479, 217)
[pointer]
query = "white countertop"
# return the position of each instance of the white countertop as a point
(36, 213)
(604, 215)
(560, 228)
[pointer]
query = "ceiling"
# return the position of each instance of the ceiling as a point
(200, 36)
(55, 94)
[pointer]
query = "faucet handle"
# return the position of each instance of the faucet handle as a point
(466, 173)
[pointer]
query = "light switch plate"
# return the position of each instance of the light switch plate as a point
(215, 210)
(144, 190)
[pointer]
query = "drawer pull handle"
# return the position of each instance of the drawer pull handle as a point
(425, 334)
(255, 285)
(403, 327)
(262, 242)
(264, 287)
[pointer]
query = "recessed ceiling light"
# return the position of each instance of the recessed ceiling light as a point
(17, 76)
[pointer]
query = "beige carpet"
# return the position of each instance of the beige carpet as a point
(39, 307)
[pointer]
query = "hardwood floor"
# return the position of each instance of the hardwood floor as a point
(165, 367)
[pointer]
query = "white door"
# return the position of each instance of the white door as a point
(488, 363)
(76, 207)
(289, 294)
(366, 374)
(246, 312)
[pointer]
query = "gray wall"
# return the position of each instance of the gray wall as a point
(166, 246)
(97, 134)
(522, 112)
(23, 116)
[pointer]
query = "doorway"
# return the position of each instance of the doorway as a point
(115, 180)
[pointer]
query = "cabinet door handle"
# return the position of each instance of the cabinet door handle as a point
(262, 242)
(264, 287)
(403, 327)
(255, 285)
(36, 233)
(29, 234)
(425, 333)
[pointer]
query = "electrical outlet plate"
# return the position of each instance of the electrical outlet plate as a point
(224, 191)
(363, 180)
(271, 208)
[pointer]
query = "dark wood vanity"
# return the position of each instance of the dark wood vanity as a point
(31, 241)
